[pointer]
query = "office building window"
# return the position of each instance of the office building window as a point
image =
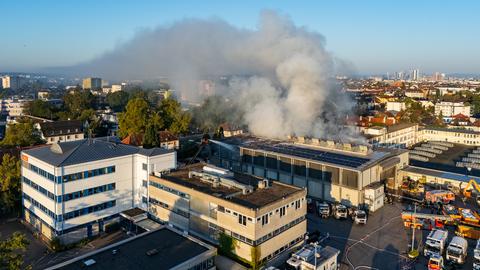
(144, 199)
(265, 219)
(144, 166)
(242, 219)
(283, 210)
(145, 183)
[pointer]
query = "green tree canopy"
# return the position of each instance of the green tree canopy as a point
(21, 134)
(151, 138)
(118, 100)
(134, 119)
(76, 102)
(9, 256)
(174, 118)
(10, 185)
(40, 108)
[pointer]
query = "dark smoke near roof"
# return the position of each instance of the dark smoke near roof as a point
(280, 73)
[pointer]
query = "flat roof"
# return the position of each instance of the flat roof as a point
(399, 126)
(441, 174)
(458, 130)
(446, 161)
(87, 150)
(256, 199)
(172, 249)
(325, 155)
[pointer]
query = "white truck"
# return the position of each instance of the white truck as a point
(435, 243)
(340, 211)
(323, 209)
(457, 250)
(476, 256)
(359, 217)
(311, 255)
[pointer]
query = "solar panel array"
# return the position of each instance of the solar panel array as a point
(472, 160)
(313, 154)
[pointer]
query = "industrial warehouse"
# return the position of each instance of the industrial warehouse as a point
(336, 172)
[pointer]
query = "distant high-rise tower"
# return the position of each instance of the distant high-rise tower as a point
(415, 75)
(92, 83)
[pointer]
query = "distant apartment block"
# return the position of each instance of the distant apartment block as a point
(262, 218)
(71, 190)
(92, 83)
(13, 82)
(13, 107)
(449, 109)
(395, 106)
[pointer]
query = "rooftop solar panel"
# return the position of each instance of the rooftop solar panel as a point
(313, 154)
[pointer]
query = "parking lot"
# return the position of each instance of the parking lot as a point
(383, 243)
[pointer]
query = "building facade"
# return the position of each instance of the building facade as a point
(449, 109)
(401, 135)
(71, 190)
(13, 107)
(60, 131)
(259, 218)
(330, 171)
(453, 135)
(12, 82)
(92, 83)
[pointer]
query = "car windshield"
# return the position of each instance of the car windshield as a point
(433, 262)
(361, 215)
(342, 210)
(454, 251)
(432, 248)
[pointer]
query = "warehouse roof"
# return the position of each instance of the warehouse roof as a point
(160, 249)
(313, 153)
(87, 150)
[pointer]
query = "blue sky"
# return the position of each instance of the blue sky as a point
(376, 36)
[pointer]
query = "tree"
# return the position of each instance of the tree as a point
(134, 119)
(76, 102)
(40, 108)
(9, 256)
(10, 185)
(118, 100)
(151, 139)
(21, 134)
(174, 119)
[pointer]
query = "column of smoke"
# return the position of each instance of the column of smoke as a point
(281, 73)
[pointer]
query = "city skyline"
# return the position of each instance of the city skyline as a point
(373, 38)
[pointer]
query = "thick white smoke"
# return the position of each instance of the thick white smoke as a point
(282, 71)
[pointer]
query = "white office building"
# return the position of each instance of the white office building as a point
(71, 190)
(449, 109)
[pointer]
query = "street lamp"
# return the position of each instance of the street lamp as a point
(413, 252)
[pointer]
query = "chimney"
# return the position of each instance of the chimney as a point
(263, 184)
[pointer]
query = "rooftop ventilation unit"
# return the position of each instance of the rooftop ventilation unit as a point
(89, 262)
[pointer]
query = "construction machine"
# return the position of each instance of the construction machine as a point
(472, 190)
(443, 196)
